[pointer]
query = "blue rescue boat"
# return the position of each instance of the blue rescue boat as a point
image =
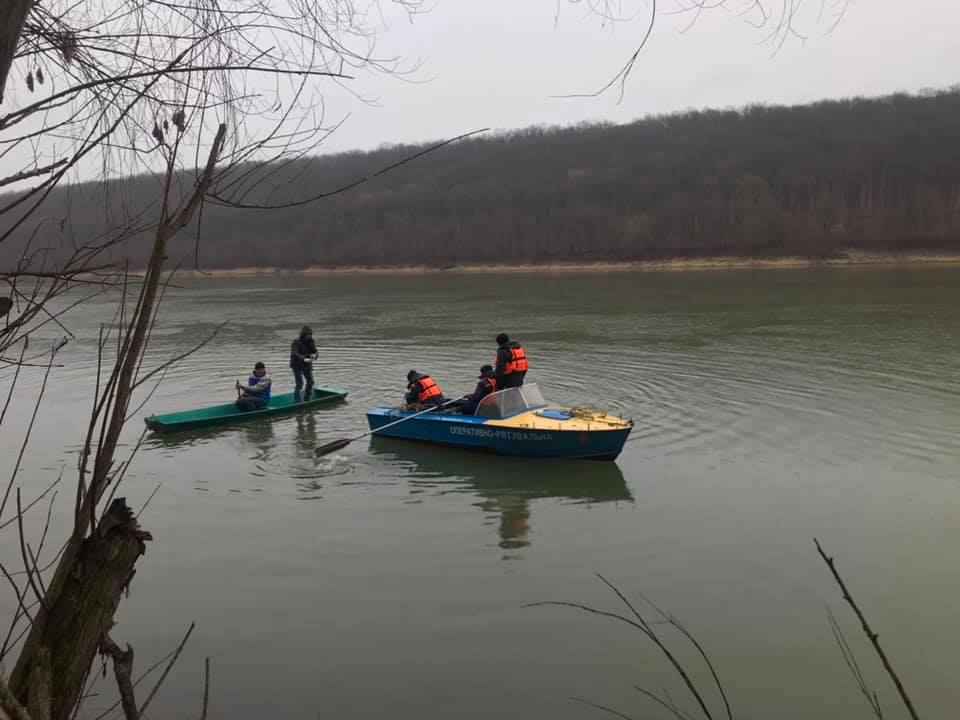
(515, 421)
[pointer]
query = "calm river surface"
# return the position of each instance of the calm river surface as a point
(388, 580)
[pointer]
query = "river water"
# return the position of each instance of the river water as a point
(390, 579)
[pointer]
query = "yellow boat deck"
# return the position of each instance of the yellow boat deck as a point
(579, 420)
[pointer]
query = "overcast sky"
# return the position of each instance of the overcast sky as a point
(502, 64)
(498, 62)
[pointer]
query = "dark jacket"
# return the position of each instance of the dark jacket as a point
(301, 348)
(503, 357)
(484, 388)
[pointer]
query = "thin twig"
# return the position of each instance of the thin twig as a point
(20, 603)
(206, 688)
(145, 504)
(46, 525)
(671, 708)
(177, 358)
(166, 670)
(35, 568)
(349, 186)
(143, 676)
(663, 648)
(26, 439)
(851, 660)
(16, 374)
(693, 641)
(602, 708)
(871, 635)
(23, 554)
(118, 477)
(33, 502)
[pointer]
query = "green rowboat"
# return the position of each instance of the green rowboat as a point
(223, 414)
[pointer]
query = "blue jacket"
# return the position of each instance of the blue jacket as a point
(261, 392)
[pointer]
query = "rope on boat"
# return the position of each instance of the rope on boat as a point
(589, 414)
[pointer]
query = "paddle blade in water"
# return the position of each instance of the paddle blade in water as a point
(331, 447)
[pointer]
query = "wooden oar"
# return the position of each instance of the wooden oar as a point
(343, 442)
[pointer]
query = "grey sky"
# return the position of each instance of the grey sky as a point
(501, 64)
(497, 63)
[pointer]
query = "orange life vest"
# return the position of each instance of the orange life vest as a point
(428, 389)
(492, 383)
(517, 362)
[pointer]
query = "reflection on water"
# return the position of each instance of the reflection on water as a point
(306, 433)
(257, 434)
(506, 486)
(260, 442)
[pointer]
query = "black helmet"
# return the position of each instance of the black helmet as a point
(411, 376)
(502, 338)
(485, 371)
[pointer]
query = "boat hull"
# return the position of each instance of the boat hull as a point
(228, 413)
(479, 434)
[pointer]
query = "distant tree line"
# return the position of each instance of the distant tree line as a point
(879, 174)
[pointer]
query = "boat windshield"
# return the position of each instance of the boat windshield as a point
(511, 401)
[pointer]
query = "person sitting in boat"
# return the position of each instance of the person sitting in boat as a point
(487, 385)
(256, 393)
(422, 392)
(303, 351)
(511, 363)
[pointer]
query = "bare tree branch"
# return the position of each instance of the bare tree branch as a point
(850, 659)
(122, 670)
(26, 439)
(780, 21)
(602, 708)
(13, 384)
(871, 635)
(206, 688)
(640, 623)
(349, 186)
(166, 671)
(27, 174)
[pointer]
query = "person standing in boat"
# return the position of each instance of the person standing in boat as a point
(256, 393)
(422, 391)
(487, 385)
(303, 351)
(511, 363)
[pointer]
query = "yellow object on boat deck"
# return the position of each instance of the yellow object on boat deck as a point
(571, 420)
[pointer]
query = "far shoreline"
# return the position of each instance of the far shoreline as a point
(850, 259)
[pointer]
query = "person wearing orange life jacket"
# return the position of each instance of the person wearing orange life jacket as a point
(487, 385)
(511, 363)
(422, 390)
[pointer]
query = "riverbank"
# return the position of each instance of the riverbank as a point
(850, 259)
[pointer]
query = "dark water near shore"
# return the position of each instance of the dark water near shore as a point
(389, 579)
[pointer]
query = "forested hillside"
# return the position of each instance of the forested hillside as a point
(876, 174)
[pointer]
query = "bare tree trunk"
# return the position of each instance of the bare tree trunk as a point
(83, 611)
(79, 604)
(41, 693)
(10, 707)
(13, 14)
